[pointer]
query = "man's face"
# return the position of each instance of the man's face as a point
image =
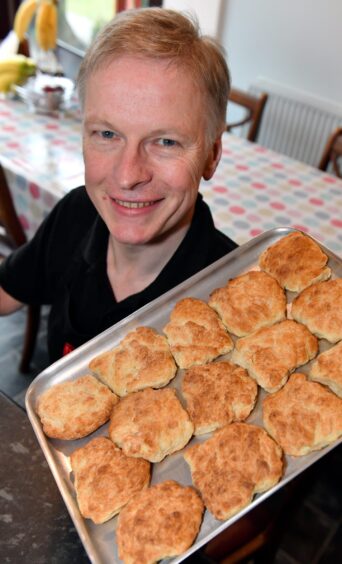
(145, 147)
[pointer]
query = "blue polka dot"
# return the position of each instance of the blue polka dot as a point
(248, 204)
(262, 198)
(220, 201)
(322, 215)
(282, 219)
(241, 224)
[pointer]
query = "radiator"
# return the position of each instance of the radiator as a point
(296, 123)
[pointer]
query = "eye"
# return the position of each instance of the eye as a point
(167, 142)
(107, 134)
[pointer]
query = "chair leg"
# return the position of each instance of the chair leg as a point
(31, 331)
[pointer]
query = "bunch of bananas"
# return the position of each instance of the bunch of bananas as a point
(15, 69)
(45, 25)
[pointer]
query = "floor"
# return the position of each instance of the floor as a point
(313, 531)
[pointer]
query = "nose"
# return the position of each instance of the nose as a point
(131, 168)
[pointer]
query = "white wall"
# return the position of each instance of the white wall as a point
(208, 12)
(297, 43)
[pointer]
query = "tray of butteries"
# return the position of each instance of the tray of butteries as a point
(170, 426)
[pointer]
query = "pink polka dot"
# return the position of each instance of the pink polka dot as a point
(258, 185)
(336, 222)
(255, 232)
(252, 218)
(237, 210)
(8, 128)
(34, 190)
(52, 126)
(277, 165)
(277, 206)
(316, 201)
(58, 142)
(220, 189)
(13, 145)
(295, 182)
(242, 167)
(226, 152)
(24, 222)
(260, 149)
(330, 179)
(300, 227)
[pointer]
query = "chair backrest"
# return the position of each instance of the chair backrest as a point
(333, 153)
(12, 230)
(254, 106)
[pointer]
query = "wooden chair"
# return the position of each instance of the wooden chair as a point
(254, 106)
(333, 153)
(12, 236)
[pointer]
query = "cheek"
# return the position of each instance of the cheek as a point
(95, 167)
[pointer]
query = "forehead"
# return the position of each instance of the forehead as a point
(138, 80)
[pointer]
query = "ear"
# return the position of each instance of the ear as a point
(213, 159)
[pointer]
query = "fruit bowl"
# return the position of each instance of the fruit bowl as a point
(46, 93)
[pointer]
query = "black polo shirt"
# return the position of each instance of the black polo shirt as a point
(64, 265)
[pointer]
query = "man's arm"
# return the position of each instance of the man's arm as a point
(7, 303)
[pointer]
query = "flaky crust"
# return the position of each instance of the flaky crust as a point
(196, 334)
(150, 424)
(142, 359)
(237, 462)
(296, 261)
(106, 479)
(74, 409)
(249, 302)
(218, 393)
(272, 353)
(327, 369)
(319, 307)
(304, 416)
(160, 522)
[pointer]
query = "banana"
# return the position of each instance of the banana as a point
(15, 70)
(23, 17)
(46, 25)
(17, 64)
(7, 79)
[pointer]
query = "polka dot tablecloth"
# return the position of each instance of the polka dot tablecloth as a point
(255, 189)
(42, 159)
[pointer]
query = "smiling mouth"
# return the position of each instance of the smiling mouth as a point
(133, 205)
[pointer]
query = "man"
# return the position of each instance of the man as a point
(154, 95)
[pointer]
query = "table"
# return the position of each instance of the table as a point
(253, 190)
(42, 159)
(35, 524)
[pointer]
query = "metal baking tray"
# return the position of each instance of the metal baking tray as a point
(99, 540)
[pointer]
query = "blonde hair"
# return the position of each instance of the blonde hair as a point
(159, 33)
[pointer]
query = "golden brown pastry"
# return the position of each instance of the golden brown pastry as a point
(106, 479)
(160, 522)
(150, 424)
(296, 261)
(237, 462)
(272, 353)
(319, 307)
(303, 416)
(141, 360)
(218, 393)
(196, 334)
(74, 409)
(249, 302)
(327, 369)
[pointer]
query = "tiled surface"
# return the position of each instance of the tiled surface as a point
(312, 532)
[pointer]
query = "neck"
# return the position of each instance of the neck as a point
(131, 268)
